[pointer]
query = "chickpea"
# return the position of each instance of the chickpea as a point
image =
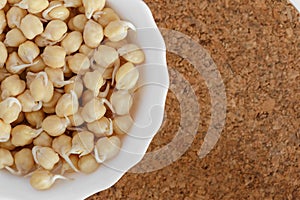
(28, 102)
(61, 13)
(93, 110)
(122, 124)
(3, 3)
(3, 21)
(132, 53)
(105, 56)
(82, 143)
(77, 23)
(66, 168)
(10, 109)
(87, 164)
(35, 6)
(101, 127)
(72, 42)
(72, 3)
(117, 30)
(31, 26)
(76, 85)
(24, 162)
(41, 88)
(54, 56)
(55, 30)
(93, 81)
(37, 66)
(78, 63)
(14, 17)
(91, 6)
(86, 50)
(67, 105)
(28, 51)
(6, 158)
(106, 16)
(23, 135)
(46, 157)
(121, 101)
(5, 131)
(126, 77)
(12, 86)
(92, 34)
(43, 140)
(3, 54)
(54, 125)
(14, 38)
(7, 145)
(107, 148)
(87, 96)
(76, 119)
(35, 118)
(49, 107)
(56, 76)
(52, 5)
(42, 179)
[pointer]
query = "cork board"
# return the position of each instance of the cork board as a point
(255, 45)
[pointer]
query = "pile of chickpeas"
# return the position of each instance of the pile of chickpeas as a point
(67, 76)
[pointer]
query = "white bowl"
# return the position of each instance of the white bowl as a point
(149, 109)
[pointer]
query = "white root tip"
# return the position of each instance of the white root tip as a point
(106, 102)
(45, 76)
(97, 158)
(129, 25)
(34, 153)
(110, 127)
(12, 171)
(68, 160)
(37, 132)
(38, 106)
(11, 101)
(116, 68)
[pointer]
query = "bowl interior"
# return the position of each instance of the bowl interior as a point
(148, 114)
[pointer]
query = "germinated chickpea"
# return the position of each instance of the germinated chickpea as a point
(121, 101)
(132, 53)
(67, 105)
(41, 88)
(2, 3)
(52, 5)
(54, 56)
(56, 76)
(107, 148)
(127, 77)
(77, 23)
(10, 109)
(3, 22)
(122, 124)
(28, 51)
(117, 30)
(93, 110)
(6, 158)
(12, 86)
(61, 13)
(72, 3)
(49, 107)
(93, 81)
(14, 38)
(101, 127)
(76, 85)
(35, 118)
(41, 41)
(35, 6)
(86, 50)
(92, 34)
(87, 96)
(22, 135)
(14, 17)
(31, 26)
(54, 125)
(76, 119)
(14, 64)
(28, 102)
(7, 145)
(5, 131)
(66, 168)
(91, 6)
(105, 56)
(24, 161)
(42, 179)
(107, 15)
(72, 42)
(43, 140)
(3, 54)
(82, 143)
(38, 65)
(87, 164)
(46, 157)
(78, 63)
(55, 30)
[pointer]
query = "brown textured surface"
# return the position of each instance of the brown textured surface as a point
(255, 44)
